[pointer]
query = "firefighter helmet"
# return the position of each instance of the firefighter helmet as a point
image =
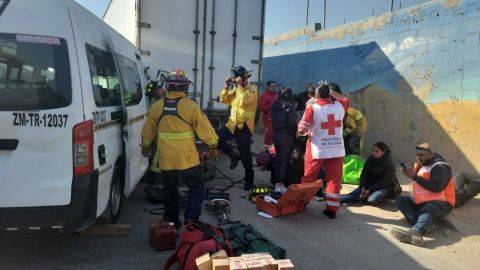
(240, 71)
(177, 77)
(258, 191)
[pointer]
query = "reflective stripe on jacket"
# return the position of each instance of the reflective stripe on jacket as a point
(423, 195)
(355, 123)
(175, 132)
(243, 101)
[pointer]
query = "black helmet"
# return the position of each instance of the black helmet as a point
(240, 71)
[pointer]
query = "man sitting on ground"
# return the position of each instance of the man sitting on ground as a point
(433, 195)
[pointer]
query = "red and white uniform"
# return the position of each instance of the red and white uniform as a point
(323, 122)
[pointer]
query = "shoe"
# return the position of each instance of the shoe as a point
(191, 221)
(412, 236)
(248, 186)
(280, 188)
(178, 223)
(318, 198)
(330, 214)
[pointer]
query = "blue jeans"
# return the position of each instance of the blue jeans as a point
(243, 138)
(196, 190)
(375, 197)
(421, 216)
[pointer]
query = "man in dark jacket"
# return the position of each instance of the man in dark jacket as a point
(378, 180)
(302, 98)
(433, 195)
(284, 122)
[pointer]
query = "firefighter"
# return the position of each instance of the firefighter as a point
(433, 195)
(355, 127)
(322, 122)
(242, 97)
(173, 123)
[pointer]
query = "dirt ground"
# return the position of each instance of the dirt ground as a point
(454, 245)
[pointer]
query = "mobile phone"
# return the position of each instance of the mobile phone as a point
(403, 166)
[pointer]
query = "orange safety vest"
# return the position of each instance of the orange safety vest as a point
(422, 195)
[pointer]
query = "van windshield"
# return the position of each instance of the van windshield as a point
(34, 73)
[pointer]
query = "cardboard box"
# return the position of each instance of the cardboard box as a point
(269, 264)
(238, 265)
(220, 264)
(221, 254)
(204, 262)
(255, 265)
(264, 255)
(285, 265)
(235, 259)
(250, 257)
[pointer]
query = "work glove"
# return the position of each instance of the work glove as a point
(146, 151)
(213, 153)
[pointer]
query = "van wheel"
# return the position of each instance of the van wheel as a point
(115, 201)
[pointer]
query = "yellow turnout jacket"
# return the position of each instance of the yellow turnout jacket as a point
(176, 134)
(244, 105)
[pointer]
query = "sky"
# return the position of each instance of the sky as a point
(285, 15)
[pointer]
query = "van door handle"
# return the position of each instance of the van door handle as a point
(102, 156)
(8, 144)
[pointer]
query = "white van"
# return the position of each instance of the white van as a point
(72, 107)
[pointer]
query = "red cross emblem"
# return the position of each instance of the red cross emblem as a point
(331, 124)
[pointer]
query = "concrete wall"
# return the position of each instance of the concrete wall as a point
(415, 73)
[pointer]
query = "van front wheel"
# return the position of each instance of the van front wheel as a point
(115, 200)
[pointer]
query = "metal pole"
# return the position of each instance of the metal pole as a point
(260, 52)
(234, 35)
(308, 5)
(204, 34)
(391, 7)
(324, 14)
(195, 61)
(212, 51)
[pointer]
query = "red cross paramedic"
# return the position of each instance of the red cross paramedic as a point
(322, 122)
(331, 124)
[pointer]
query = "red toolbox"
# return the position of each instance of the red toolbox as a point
(293, 201)
(162, 234)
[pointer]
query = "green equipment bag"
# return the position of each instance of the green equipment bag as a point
(352, 169)
(245, 239)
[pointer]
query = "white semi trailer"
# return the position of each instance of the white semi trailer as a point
(206, 38)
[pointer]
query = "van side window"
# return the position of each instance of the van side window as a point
(104, 77)
(131, 81)
(34, 73)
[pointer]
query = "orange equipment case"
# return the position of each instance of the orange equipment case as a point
(293, 201)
